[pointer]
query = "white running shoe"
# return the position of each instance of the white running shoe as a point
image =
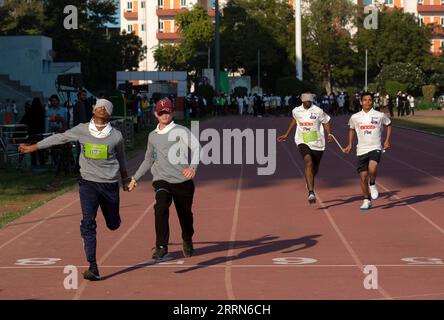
(367, 204)
(374, 191)
(311, 198)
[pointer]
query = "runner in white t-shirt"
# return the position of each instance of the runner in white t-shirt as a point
(368, 125)
(310, 122)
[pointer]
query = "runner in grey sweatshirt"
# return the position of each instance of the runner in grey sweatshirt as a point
(102, 161)
(167, 157)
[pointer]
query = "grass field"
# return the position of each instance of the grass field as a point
(433, 124)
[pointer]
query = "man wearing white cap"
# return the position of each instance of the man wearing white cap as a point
(310, 122)
(102, 161)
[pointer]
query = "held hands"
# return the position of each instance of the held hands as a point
(282, 138)
(23, 148)
(189, 173)
(347, 149)
(126, 181)
(131, 185)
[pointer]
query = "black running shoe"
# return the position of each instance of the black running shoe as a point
(160, 252)
(188, 249)
(92, 274)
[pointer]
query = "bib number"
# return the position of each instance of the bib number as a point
(310, 136)
(96, 151)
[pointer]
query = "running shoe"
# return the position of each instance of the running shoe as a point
(366, 204)
(311, 197)
(92, 274)
(374, 191)
(160, 253)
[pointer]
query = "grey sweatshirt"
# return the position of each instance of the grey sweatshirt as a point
(101, 160)
(167, 159)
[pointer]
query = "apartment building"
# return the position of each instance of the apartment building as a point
(428, 12)
(154, 22)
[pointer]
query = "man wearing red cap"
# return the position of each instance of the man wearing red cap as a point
(172, 179)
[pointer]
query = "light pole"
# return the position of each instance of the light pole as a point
(298, 38)
(366, 67)
(217, 53)
(259, 68)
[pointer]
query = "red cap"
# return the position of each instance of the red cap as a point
(164, 105)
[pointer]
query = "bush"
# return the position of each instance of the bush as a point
(428, 92)
(406, 73)
(291, 86)
(393, 87)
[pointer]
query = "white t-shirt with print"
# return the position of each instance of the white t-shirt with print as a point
(310, 130)
(368, 127)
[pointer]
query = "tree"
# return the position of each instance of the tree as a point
(197, 32)
(327, 43)
(169, 58)
(21, 17)
(398, 38)
(251, 25)
(407, 73)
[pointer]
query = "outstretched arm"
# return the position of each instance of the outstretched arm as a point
(284, 137)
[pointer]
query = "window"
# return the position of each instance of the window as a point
(389, 1)
(160, 3)
(421, 21)
(142, 27)
(420, 1)
(142, 5)
(130, 28)
(160, 26)
(129, 5)
(183, 3)
(442, 21)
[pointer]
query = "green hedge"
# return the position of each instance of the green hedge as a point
(393, 87)
(428, 92)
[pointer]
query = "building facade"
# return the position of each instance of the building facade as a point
(428, 12)
(154, 22)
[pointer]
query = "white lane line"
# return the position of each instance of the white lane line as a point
(341, 236)
(157, 265)
(230, 253)
(417, 295)
(37, 224)
(116, 244)
(419, 213)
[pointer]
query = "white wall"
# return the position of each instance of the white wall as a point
(27, 59)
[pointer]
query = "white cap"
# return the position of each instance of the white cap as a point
(105, 103)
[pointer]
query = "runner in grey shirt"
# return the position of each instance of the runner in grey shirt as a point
(102, 161)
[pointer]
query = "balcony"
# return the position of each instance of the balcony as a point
(430, 8)
(169, 12)
(129, 15)
(168, 36)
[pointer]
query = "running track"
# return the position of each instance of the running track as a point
(256, 236)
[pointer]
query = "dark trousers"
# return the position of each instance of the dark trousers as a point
(93, 195)
(182, 195)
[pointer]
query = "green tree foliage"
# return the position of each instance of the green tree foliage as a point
(251, 25)
(327, 44)
(407, 73)
(398, 38)
(197, 35)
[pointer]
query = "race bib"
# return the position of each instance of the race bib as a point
(96, 151)
(309, 136)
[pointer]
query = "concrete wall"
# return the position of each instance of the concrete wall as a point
(28, 59)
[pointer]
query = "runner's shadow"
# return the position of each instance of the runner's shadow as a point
(262, 245)
(256, 249)
(410, 200)
(340, 202)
